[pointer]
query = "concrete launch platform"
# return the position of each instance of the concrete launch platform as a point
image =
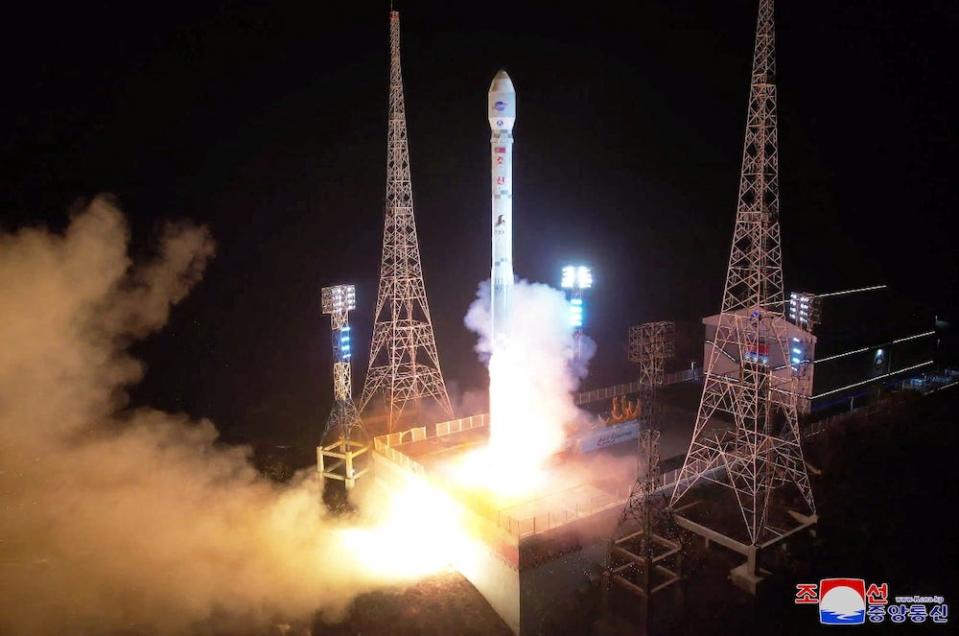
(528, 554)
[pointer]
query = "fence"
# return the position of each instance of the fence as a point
(482, 419)
(518, 528)
(668, 479)
(524, 527)
(609, 392)
(462, 424)
(575, 509)
(540, 523)
(383, 444)
(528, 526)
(819, 426)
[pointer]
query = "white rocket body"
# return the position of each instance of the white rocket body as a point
(502, 116)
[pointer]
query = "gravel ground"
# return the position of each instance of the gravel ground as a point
(442, 604)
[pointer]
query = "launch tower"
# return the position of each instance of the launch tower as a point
(404, 364)
(642, 561)
(748, 378)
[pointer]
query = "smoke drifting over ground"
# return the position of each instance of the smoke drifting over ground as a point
(132, 520)
(532, 376)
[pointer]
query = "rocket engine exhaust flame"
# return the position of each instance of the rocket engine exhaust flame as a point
(532, 379)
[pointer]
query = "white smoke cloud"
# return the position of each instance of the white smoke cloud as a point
(115, 520)
(532, 377)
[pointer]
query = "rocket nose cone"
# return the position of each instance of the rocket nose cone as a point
(501, 83)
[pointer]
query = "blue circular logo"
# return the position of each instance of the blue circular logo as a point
(500, 106)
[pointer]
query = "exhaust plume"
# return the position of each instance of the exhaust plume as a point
(120, 520)
(532, 379)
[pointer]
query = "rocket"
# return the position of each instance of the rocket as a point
(502, 114)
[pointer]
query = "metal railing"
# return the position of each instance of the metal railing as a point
(609, 392)
(462, 424)
(527, 526)
(516, 527)
(819, 426)
(584, 397)
(535, 524)
(381, 444)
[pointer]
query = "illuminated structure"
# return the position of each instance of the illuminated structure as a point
(576, 280)
(404, 364)
(501, 112)
(864, 338)
(643, 562)
(344, 440)
(747, 374)
(804, 310)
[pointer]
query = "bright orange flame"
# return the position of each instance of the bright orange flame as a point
(419, 533)
(526, 429)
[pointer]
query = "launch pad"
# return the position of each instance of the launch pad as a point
(528, 554)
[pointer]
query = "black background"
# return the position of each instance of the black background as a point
(268, 121)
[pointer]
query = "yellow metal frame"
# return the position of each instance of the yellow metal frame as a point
(335, 461)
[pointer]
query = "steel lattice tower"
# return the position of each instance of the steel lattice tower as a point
(338, 301)
(763, 449)
(344, 439)
(404, 364)
(642, 561)
(649, 345)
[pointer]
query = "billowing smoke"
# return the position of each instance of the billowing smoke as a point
(120, 520)
(532, 378)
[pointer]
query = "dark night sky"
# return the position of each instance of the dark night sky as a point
(268, 123)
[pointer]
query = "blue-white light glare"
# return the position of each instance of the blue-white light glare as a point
(576, 277)
(576, 313)
(584, 277)
(343, 343)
